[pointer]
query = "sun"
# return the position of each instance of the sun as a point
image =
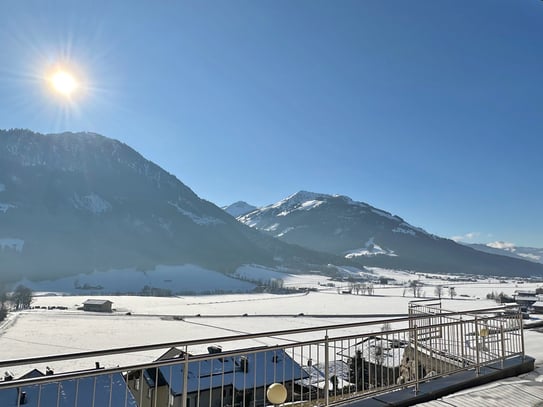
(63, 82)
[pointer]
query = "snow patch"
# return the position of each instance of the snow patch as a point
(4, 207)
(12, 244)
(530, 256)
(199, 220)
(92, 203)
(502, 245)
(284, 232)
(371, 249)
(384, 214)
(253, 272)
(303, 206)
(404, 231)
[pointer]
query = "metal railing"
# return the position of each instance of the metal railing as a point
(317, 366)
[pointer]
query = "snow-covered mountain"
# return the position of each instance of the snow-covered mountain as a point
(338, 225)
(78, 202)
(509, 249)
(238, 208)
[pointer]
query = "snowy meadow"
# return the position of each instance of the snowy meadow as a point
(139, 320)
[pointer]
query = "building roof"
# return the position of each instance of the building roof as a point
(317, 377)
(97, 302)
(85, 389)
(264, 368)
(32, 374)
(377, 350)
(525, 297)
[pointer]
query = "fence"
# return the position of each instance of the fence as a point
(316, 366)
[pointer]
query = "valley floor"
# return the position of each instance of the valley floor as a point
(149, 320)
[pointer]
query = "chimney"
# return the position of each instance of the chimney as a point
(244, 363)
(213, 349)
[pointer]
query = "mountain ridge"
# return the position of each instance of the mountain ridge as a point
(80, 202)
(533, 254)
(336, 224)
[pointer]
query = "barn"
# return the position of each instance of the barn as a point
(97, 305)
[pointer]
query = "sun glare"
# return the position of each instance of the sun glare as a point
(63, 82)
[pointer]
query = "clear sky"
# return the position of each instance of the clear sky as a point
(431, 110)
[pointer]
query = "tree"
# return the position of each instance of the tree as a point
(438, 291)
(452, 292)
(21, 297)
(4, 299)
(415, 286)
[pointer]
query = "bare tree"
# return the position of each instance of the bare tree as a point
(452, 292)
(21, 297)
(438, 291)
(415, 287)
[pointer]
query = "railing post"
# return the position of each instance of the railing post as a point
(521, 326)
(502, 331)
(462, 343)
(416, 357)
(185, 378)
(326, 370)
(477, 348)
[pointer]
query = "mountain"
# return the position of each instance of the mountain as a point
(508, 249)
(74, 203)
(370, 236)
(239, 208)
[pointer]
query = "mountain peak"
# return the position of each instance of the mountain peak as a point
(239, 208)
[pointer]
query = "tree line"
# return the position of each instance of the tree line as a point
(19, 299)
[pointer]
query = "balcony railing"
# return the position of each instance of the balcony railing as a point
(316, 366)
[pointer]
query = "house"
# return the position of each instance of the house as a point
(538, 305)
(101, 390)
(525, 298)
(375, 361)
(97, 305)
(217, 381)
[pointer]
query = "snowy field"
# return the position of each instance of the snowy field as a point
(151, 320)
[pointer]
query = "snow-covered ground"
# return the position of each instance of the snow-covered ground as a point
(150, 320)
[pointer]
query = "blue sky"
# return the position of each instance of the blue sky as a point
(431, 110)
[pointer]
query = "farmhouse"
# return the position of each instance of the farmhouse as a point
(97, 305)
